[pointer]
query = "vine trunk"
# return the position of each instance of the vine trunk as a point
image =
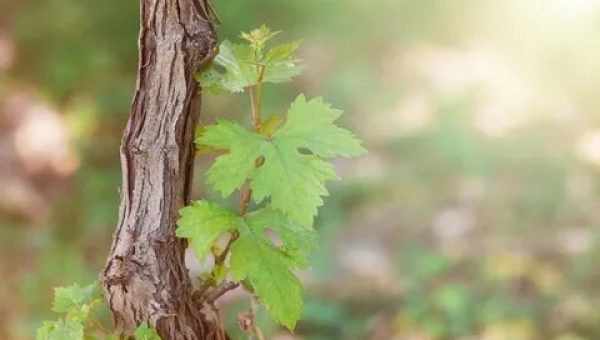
(145, 278)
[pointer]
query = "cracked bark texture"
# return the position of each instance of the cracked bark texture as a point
(145, 278)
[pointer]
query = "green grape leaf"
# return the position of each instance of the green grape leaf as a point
(254, 258)
(230, 171)
(298, 242)
(293, 179)
(202, 223)
(144, 332)
(310, 125)
(60, 330)
(294, 182)
(67, 299)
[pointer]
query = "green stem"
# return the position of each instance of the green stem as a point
(261, 75)
(255, 93)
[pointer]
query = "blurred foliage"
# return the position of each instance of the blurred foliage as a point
(475, 215)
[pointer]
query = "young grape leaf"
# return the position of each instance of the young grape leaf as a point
(283, 52)
(254, 258)
(212, 80)
(203, 222)
(280, 63)
(60, 330)
(258, 37)
(293, 179)
(144, 332)
(233, 69)
(69, 298)
(237, 66)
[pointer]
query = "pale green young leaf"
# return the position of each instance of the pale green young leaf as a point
(238, 66)
(212, 80)
(67, 299)
(144, 332)
(202, 223)
(298, 242)
(233, 69)
(60, 330)
(281, 72)
(283, 52)
(281, 64)
(258, 37)
(254, 258)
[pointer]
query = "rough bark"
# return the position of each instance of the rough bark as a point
(145, 278)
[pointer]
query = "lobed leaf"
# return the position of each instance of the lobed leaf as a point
(281, 64)
(310, 125)
(293, 180)
(283, 52)
(67, 299)
(60, 330)
(254, 258)
(298, 242)
(231, 170)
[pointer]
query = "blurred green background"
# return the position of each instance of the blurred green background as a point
(474, 216)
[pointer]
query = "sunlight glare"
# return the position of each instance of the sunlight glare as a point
(575, 9)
